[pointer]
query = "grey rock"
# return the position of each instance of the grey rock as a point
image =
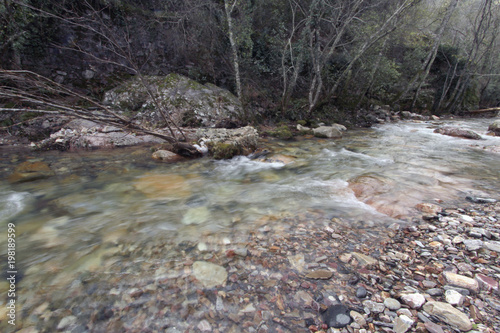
(392, 304)
(433, 328)
(492, 246)
(458, 132)
(361, 292)
(495, 127)
(449, 315)
(374, 307)
(205, 103)
(337, 316)
(327, 132)
(473, 244)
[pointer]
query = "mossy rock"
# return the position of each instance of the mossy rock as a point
(224, 150)
(283, 132)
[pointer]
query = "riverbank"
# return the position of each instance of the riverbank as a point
(301, 273)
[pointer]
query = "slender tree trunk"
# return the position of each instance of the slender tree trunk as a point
(433, 52)
(229, 7)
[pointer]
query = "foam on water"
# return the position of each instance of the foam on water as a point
(12, 203)
(242, 165)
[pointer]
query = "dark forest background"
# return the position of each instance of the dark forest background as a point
(284, 59)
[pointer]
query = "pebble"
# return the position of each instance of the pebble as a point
(454, 297)
(361, 292)
(461, 281)
(414, 301)
(392, 304)
(66, 322)
(204, 326)
(402, 324)
(374, 307)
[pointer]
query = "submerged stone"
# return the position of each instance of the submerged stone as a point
(337, 316)
(29, 171)
(210, 275)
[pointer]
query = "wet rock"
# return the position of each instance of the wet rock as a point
(30, 171)
(210, 275)
(304, 298)
(429, 208)
(361, 292)
(458, 132)
(66, 322)
(157, 186)
(166, 156)
(392, 304)
(461, 281)
(320, 274)
(449, 315)
(238, 141)
(414, 301)
(196, 215)
(402, 324)
(297, 261)
(480, 200)
(337, 316)
(327, 132)
(364, 260)
(495, 127)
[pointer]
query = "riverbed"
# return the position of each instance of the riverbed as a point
(100, 206)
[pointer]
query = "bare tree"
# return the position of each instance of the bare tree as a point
(46, 96)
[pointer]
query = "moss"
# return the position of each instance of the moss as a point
(302, 122)
(282, 132)
(224, 150)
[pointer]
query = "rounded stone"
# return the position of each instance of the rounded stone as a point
(392, 304)
(361, 292)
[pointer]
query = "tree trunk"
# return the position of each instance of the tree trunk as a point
(229, 7)
(433, 52)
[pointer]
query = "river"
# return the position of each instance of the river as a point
(100, 202)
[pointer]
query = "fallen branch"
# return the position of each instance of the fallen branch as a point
(485, 110)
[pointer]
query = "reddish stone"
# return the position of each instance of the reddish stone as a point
(487, 283)
(433, 328)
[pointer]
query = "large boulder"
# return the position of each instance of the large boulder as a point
(187, 101)
(494, 128)
(458, 132)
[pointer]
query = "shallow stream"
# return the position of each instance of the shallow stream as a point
(100, 200)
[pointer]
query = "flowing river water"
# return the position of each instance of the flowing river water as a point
(101, 201)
